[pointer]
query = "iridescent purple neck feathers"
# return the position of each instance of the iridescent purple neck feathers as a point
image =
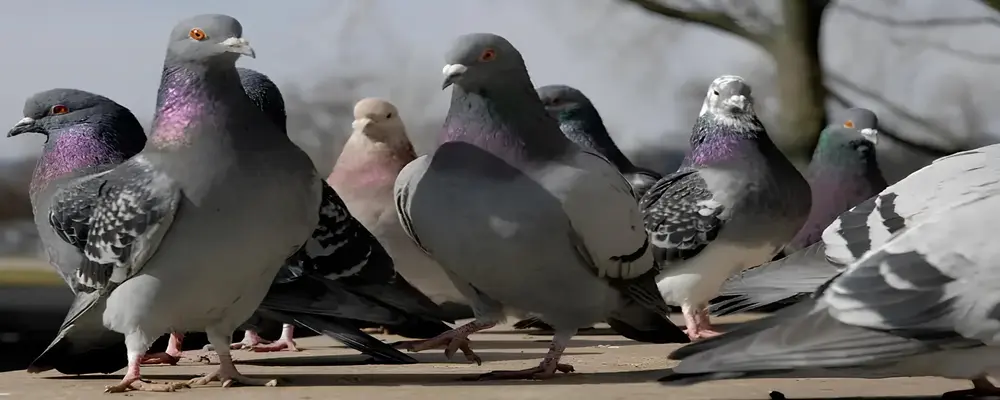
(79, 150)
(714, 143)
(509, 122)
(190, 95)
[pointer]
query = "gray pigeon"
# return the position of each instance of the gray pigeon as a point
(85, 134)
(581, 123)
(733, 205)
(341, 277)
(922, 303)
(188, 234)
(843, 172)
(511, 209)
(865, 227)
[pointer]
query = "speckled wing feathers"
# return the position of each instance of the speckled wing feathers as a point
(130, 211)
(681, 216)
(340, 247)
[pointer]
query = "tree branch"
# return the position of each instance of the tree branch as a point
(968, 55)
(919, 23)
(715, 19)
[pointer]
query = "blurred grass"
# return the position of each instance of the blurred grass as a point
(27, 272)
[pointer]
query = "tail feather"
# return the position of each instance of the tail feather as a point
(83, 345)
(344, 332)
(803, 336)
(402, 296)
(799, 274)
(639, 323)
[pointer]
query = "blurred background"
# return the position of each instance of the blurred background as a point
(928, 68)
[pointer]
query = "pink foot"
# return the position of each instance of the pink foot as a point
(171, 356)
(250, 340)
(698, 324)
(284, 343)
(133, 381)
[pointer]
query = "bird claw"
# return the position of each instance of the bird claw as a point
(230, 379)
(451, 345)
(145, 386)
(700, 334)
(278, 345)
(539, 373)
(160, 358)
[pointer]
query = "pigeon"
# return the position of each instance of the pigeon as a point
(511, 209)
(581, 123)
(734, 204)
(863, 228)
(340, 250)
(188, 234)
(921, 303)
(364, 175)
(85, 133)
(843, 172)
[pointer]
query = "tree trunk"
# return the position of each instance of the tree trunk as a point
(801, 92)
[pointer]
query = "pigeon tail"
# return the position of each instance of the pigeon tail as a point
(799, 274)
(344, 332)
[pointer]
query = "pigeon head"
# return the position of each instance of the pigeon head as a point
(54, 111)
(208, 38)
(864, 121)
(563, 101)
(477, 59)
(844, 142)
(264, 93)
(83, 130)
(728, 97)
(379, 120)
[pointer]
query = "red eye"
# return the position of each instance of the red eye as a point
(488, 55)
(59, 109)
(849, 124)
(197, 34)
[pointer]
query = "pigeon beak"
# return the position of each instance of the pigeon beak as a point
(360, 124)
(870, 134)
(452, 72)
(239, 46)
(738, 101)
(25, 125)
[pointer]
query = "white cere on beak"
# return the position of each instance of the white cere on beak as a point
(360, 123)
(26, 121)
(239, 45)
(870, 134)
(454, 69)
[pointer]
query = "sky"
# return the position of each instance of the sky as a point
(632, 65)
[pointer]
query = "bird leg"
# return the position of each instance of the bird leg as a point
(453, 340)
(285, 342)
(698, 324)
(981, 387)
(133, 377)
(547, 368)
(227, 373)
(171, 356)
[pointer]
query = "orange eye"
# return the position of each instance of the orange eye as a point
(197, 34)
(59, 109)
(849, 124)
(488, 55)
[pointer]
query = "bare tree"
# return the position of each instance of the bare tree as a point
(791, 36)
